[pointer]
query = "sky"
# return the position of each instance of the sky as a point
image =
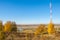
(29, 11)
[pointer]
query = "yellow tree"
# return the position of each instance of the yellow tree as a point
(51, 28)
(7, 26)
(40, 29)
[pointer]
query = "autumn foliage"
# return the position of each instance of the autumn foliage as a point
(40, 29)
(10, 26)
(7, 26)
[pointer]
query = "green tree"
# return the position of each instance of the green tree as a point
(2, 35)
(14, 27)
(1, 26)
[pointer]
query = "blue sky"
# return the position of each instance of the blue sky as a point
(29, 11)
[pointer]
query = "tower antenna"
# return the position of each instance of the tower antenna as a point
(50, 10)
